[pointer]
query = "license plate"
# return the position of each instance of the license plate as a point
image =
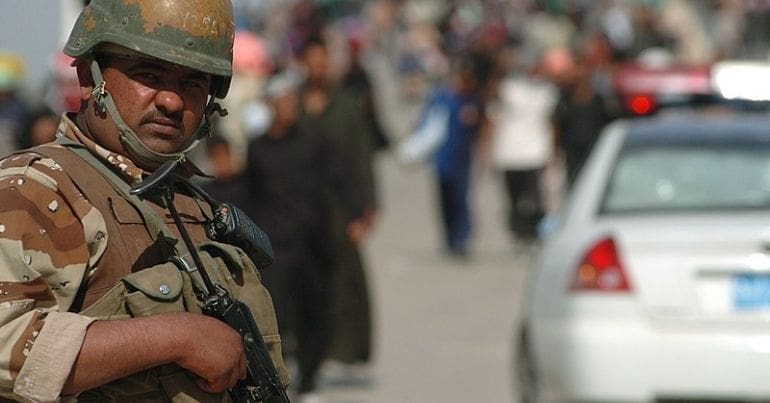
(751, 292)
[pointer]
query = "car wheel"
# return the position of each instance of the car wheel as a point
(524, 372)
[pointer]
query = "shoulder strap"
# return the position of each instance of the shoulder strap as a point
(155, 225)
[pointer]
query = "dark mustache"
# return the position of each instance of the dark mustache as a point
(174, 119)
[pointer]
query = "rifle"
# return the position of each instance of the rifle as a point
(262, 383)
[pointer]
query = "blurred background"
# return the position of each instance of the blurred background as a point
(456, 131)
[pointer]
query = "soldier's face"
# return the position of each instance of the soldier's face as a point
(162, 103)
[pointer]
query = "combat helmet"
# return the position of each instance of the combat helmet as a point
(193, 33)
(197, 34)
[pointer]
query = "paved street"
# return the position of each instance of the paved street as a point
(443, 327)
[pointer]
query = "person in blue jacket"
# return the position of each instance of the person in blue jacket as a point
(455, 111)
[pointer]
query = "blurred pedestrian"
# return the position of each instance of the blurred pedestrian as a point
(358, 81)
(522, 140)
(61, 94)
(229, 184)
(39, 128)
(329, 107)
(455, 115)
(251, 66)
(294, 165)
(578, 117)
(14, 111)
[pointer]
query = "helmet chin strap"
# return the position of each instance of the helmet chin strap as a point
(136, 150)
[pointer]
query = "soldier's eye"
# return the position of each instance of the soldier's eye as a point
(193, 84)
(146, 76)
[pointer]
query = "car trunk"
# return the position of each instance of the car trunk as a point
(697, 267)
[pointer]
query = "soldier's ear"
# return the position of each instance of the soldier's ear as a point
(84, 77)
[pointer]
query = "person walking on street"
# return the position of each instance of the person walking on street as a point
(455, 114)
(293, 165)
(578, 117)
(330, 108)
(93, 304)
(522, 142)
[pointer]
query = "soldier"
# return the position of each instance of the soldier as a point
(91, 304)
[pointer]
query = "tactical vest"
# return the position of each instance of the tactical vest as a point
(133, 278)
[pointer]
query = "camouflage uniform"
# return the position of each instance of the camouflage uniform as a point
(51, 241)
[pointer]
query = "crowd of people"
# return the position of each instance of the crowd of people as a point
(524, 86)
(308, 181)
(319, 89)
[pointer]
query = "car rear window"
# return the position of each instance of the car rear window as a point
(655, 178)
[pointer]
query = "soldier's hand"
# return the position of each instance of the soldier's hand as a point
(214, 353)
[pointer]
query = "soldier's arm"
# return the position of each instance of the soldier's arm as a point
(44, 253)
(49, 236)
(114, 349)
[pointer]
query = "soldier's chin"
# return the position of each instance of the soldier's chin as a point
(163, 145)
(161, 155)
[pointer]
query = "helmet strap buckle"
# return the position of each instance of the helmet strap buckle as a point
(100, 93)
(211, 108)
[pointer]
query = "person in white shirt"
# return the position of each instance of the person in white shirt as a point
(522, 143)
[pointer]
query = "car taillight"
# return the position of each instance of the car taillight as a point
(601, 270)
(641, 105)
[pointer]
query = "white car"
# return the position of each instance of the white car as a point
(656, 284)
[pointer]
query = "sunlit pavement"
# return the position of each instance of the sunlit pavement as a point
(443, 326)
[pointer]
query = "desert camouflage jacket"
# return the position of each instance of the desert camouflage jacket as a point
(50, 235)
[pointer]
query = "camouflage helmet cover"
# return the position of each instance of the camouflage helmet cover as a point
(197, 34)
